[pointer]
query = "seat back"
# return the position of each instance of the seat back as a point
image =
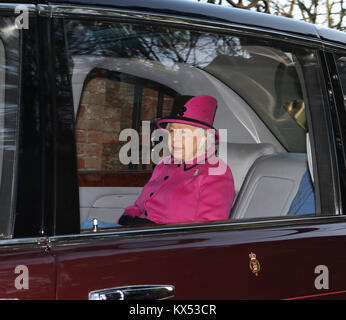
(270, 186)
(241, 156)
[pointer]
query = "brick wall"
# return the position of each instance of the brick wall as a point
(106, 109)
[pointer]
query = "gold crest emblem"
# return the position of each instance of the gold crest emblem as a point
(255, 266)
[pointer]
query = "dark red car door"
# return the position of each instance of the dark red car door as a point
(27, 270)
(208, 262)
(273, 258)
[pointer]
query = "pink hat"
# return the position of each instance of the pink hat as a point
(198, 111)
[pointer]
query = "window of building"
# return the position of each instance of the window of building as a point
(111, 102)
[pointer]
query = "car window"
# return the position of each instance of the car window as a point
(265, 76)
(124, 73)
(9, 99)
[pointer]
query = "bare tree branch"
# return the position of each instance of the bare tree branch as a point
(330, 13)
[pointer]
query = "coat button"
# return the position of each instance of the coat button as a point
(151, 194)
(145, 212)
(165, 178)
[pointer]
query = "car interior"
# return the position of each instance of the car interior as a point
(266, 175)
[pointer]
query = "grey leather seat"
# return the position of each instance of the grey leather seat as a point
(241, 156)
(270, 186)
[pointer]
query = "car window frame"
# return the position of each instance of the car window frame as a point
(9, 10)
(338, 105)
(34, 186)
(57, 11)
(36, 237)
(8, 216)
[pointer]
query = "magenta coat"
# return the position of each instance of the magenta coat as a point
(186, 192)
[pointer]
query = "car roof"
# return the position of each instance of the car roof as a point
(194, 9)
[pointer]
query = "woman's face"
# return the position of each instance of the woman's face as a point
(183, 141)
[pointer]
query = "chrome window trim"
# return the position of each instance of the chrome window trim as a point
(166, 230)
(21, 243)
(11, 6)
(334, 46)
(203, 24)
(169, 230)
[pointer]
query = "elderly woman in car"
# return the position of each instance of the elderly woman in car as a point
(193, 184)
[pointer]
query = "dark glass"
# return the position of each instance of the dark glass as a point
(341, 66)
(9, 107)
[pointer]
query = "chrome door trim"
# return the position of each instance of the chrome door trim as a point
(203, 24)
(23, 243)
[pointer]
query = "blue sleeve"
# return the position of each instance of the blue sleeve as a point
(88, 224)
(304, 201)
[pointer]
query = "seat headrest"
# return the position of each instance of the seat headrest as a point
(241, 156)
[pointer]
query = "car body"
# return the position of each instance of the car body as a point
(41, 240)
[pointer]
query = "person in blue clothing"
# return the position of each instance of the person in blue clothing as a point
(304, 201)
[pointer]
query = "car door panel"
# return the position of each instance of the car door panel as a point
(27, 272)
(209, 261)
(206, 265)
